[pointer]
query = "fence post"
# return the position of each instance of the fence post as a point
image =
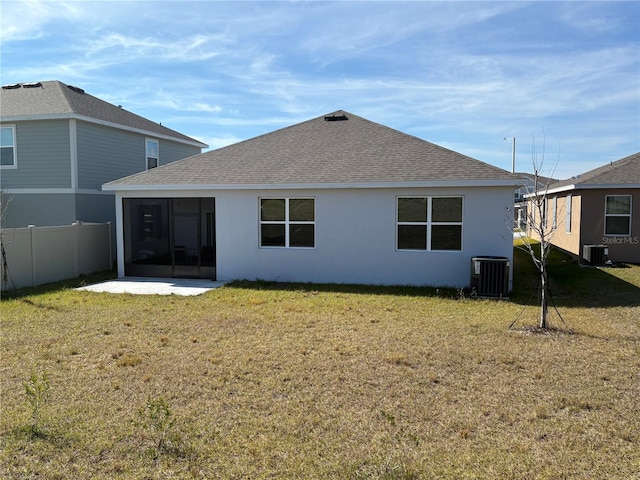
(76, 239)
(34, 269)
(110, 247)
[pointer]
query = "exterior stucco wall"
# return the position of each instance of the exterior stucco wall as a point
(355, 237)
(588, 224)
(567, 241)
(621, 249)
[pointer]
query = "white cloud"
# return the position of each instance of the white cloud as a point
(195, 48)
(28, 19)
(219, 142)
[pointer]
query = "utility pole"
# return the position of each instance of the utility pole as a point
(513, 153)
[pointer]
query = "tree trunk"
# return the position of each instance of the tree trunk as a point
(543, 297)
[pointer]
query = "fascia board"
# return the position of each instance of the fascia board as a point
(32, 191)
(603, 186)
(67, 116)
(316, 186)
(50, 191)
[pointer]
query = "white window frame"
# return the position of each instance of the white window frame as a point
(429, 223)
(627, 215)
(14, 146)
(567, 208)
(147, 156)
(286, 222)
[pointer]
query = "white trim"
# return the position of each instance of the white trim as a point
(568, 207)
(73, 152)
(119, 236)
(37, 191)
(577, 186)
(64, 116)
(12, 126)
(309, 186)
(146, 152)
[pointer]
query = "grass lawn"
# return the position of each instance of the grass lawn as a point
(259, 380)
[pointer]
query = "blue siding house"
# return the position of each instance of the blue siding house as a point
(59, 145)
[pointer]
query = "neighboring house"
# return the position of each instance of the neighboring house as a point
(598, 208)
(527, 187)
(60, 144)
(336, 199)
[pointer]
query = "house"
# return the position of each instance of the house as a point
(335, 199)
(598, 209)
(59, 145)
(530, 183)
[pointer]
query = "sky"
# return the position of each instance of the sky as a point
(562, 78)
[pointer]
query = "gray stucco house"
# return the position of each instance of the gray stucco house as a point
(59, 145)
(335, 199)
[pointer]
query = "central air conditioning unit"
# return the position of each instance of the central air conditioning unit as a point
(595, 255)
(490, 276)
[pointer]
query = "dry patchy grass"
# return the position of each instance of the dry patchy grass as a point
(268, 381)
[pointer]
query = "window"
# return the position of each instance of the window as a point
(617, 215)
(554, 214)
(567, 222)
(152, 153)
(429, 223)
(8, 146)
(287, 222)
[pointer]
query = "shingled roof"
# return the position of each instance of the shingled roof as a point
(54, 99)
(623, 173)
(334, 150)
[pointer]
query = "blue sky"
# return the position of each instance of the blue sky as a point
(564, 76)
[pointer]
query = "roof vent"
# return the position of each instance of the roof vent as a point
(335, 118)
(11, 86)
(32, 85)
(75, 89)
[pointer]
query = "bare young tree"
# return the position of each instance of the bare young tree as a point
(4, 205)
(539, 228)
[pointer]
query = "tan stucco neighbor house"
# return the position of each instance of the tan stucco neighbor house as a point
(598, 211)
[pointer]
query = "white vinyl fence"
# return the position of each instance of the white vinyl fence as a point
(36, 255)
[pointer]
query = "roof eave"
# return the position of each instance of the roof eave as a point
(585, 186)
(68, 116)
(115, 187)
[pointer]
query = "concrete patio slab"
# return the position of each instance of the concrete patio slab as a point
(155, 286)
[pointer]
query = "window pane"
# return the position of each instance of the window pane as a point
(412, 237)
(272, 210)
(446, 237)
(618, 226)
(6, 156)
(6, 137)
(152, 149)
(619, 204)
(446, 210)
(301, 235)
(272, 235)
(412, 209)
(301, 210)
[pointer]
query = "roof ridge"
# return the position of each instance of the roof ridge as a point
(607, 167)
(61, 98)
